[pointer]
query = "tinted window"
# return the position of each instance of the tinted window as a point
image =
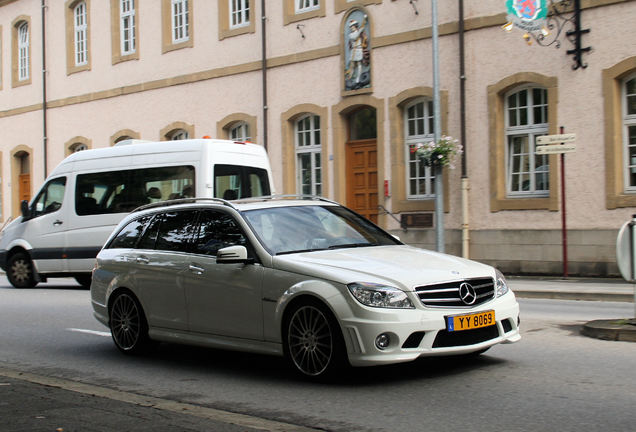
(125, 190)
(175, 231)
(127, 237)
(236, 181)
(216, 231)
(149, 238)
(50, 198)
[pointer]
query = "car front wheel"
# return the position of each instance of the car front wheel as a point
(20, 271)
(313, 342)
(128, 324)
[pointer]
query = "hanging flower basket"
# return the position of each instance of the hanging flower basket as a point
(443, 153)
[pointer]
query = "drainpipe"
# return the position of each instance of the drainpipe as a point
(264, 70)
(44, 129)
(462, 109)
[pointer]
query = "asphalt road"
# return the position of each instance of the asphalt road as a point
(554, 379)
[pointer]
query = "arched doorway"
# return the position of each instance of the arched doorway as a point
(362, 163)
(21, 173)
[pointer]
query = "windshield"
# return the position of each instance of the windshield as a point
(309, 228)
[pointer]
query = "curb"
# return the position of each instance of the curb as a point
(613, 330)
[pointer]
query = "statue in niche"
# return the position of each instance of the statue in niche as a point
(357, 52)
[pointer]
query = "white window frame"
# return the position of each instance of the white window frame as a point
(240, 131)
(80, 31)
(629, 120)
(307, 141)
(529, 131)
(180, 19)
(127, 28)
(23, 52)
(239, 13)
(427, 178)
(303, 6)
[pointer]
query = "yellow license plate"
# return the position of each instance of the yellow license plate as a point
(471, 321)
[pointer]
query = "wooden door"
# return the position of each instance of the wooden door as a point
(362, 178)
(25, 187)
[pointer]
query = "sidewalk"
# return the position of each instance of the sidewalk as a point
(589, 289)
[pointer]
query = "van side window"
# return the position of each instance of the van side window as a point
(123, 191)
(236, 181)
(50, 197)
(127, 237)
(216, 231)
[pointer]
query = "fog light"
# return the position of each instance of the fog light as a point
(382, 341)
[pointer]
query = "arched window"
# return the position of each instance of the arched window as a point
(80, 32)
(23, 52)
(308, 151)
(526, 117)
(178, 134)
(418, 125)
(240, 131)
(629, 134)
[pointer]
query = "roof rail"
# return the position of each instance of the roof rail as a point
(168, 203)
(286, 196)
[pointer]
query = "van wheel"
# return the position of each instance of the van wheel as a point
(128, 324)
(84, 280)
(20, 271)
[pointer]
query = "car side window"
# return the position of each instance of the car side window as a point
(175, 231)
(216, 231)
(128, 236)
(50, 198)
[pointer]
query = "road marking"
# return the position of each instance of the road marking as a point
(242, 420)
(92, 332)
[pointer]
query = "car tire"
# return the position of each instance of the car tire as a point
(312, 340)
(128, 325)
(20, 271)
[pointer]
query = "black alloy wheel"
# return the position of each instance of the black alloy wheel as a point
(313, 342)
(128, 324)
(20, 271)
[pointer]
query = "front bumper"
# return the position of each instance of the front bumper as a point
(422, 332)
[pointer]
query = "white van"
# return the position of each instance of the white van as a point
(83, 199)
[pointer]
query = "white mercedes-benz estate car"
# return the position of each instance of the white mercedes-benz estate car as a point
(305, 278)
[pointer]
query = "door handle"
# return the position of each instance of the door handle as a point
(142, 260)
(196, 269)
(57, 223)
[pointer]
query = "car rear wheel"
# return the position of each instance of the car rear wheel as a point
(313, 342)
(128, 324)
(20, 271)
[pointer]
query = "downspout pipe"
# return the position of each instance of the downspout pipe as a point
(264, 70)
(44, 123)
(462, 110)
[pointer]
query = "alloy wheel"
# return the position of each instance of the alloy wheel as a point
(310, 340)
(126, 323)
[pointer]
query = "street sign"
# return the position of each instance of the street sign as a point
(555, 148)
(556, 139)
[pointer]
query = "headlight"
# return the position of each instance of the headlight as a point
(502, 286)
(381, 296)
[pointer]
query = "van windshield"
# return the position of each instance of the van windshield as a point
(123, 191)
(235, 182)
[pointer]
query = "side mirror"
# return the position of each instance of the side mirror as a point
(24, 208)
(233, 255)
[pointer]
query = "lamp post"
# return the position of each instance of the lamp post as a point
(437, 129)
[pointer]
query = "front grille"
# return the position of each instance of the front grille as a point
(448, 294)
(446, 339)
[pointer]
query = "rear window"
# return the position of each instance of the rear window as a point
(129, 235)
(237, 181)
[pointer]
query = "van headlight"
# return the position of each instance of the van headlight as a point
(380, 296)
(502, 285)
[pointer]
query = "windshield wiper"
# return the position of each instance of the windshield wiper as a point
(351, 245)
